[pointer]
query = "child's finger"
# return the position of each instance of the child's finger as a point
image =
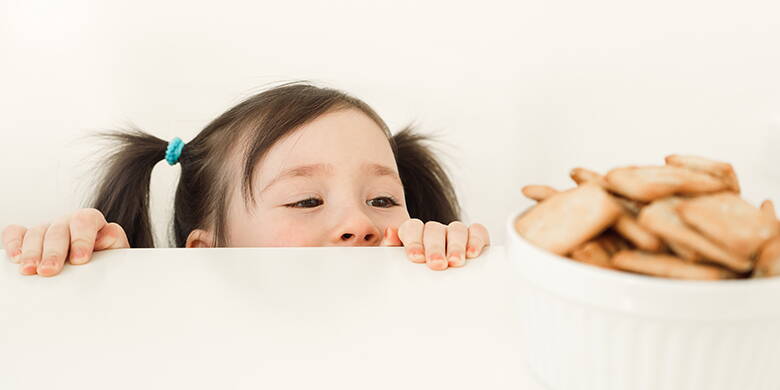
(56, 243)
(434, 240)
(391, 237)
(31, 250)
(112, 236)
(12, 241)
(478, 240)
(84, 227)
(411, 233)
(457, 235)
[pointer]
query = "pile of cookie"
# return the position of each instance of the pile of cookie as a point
(681, 220)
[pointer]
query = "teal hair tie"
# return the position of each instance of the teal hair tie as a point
(173, 152)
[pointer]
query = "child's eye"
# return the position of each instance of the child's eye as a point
(387, 202)
(306, 203)
(383, 202)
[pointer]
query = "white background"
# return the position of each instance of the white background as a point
(520, 91)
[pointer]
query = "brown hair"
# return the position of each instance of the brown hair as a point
(259, 122)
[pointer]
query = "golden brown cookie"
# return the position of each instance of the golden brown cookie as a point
(722, 170)
(631, 206)
(583, 175)
(568, 219)
(768, 207)
(612, 242)
(729, 221)
(661, 218)
(538, 192)
(667, 266)
(594, 253)
(645, 240)
(684, 252)
(649, 183)
(768, 263)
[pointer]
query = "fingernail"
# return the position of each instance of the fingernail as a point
(472, 252)
(79, 255)
(457, 260)
(29, 268)
(437, 261)
(417, 255)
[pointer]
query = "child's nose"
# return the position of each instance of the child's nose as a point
(358, 231)
(358, 240)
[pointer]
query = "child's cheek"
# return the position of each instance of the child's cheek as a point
(292, 235)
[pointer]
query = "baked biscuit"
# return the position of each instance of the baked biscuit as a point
(649, 183)
(684, 252)
(568, 219)
(583, 175)
(768, 263)
(594, 253)
(661, 218)
(538, 192)
(722, 170)
(729, 221)
(629, 228)
(667, 266)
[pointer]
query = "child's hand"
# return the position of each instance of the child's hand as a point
(427, 243)
(43, 249)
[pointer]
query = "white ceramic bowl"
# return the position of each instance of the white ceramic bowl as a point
(592, 328)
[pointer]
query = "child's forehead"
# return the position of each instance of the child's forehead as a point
(339, 138)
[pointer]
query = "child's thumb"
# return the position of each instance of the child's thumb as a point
(391, 237)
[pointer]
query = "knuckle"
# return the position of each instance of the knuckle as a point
(409, 228)
(29, 256)
(476, 241)
(458, 226)
(87, 216)
(415, 222)
(57, 229)
(10, 229)
(434, 249)
(116, 229)
(54, 255)
(479, 227)
(40, 229)
(80, 243)
(433, 225)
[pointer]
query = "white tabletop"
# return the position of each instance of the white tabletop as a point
(275, 318)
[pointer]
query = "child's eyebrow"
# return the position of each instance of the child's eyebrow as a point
(311, 170)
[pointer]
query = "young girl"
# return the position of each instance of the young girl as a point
(296, 165)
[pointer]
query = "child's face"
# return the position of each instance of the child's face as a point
(332, 182)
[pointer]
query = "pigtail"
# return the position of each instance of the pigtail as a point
(430, 195)
(123, 190)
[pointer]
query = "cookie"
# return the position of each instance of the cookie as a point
(631, 206)
(721, 170)
(729, 221)
(538, 192)
(568, 219)
(645, 240)
(649, 183)
(768, 263)
(684, 252)
(667, 266)
(661, 218)
(594, 253)
(583, 175)
(612, 242)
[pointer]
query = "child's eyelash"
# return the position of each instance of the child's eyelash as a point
(300, 204)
